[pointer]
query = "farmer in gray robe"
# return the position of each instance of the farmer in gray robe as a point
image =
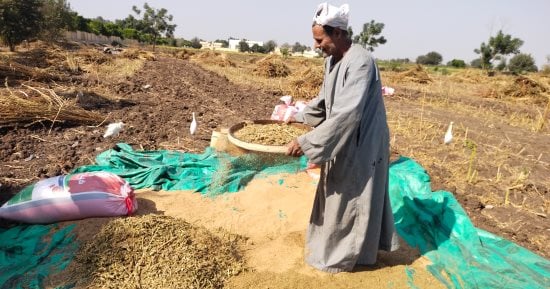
(351, 218)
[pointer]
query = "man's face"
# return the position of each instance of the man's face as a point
(323, 41)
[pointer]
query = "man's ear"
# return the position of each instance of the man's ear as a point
(338, 33)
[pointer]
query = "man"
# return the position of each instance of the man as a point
(351, 218)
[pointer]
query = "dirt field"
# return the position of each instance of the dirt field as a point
(498, 165)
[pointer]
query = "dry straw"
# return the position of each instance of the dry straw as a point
(271, 66)
(13, 70)
(417, 74)
(214, 58)
(42, 105)
(306, 83)
(138, 54)
(524, 86)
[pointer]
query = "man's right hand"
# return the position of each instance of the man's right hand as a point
(294, 149)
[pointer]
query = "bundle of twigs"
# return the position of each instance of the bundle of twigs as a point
(41, 105)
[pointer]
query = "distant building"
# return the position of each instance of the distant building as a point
(211, 45)
(307, 53)
(310, 53)
(234, 43)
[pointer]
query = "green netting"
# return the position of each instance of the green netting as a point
(209, 173)
(30, 253)
(463, 256)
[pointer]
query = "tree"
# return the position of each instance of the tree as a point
(196, 43)
(112, 29)
(130, 33)
(257, 48)
(131, 22)
(546, 67)
(350, 32)
(432, 58)
(19, 20)
(185, 43)
(97, 27)
(79, 23)
(224, 42)
(476, 63)
(56, 17)
(522, 63)
(497, 47)
(285, 49)
(270, 46)
(458, 63)
(298, 47)
(502, 64)
(156, 22)
(368, 38)
(243, 46)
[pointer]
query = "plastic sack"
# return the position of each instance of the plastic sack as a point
(279, 112)
(387, 91)
(288, 109)
(71, 197)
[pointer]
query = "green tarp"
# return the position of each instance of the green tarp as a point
(462, 256)
(30, 253)
(208, 173)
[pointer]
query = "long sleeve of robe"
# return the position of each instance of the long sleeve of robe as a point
(351, 218)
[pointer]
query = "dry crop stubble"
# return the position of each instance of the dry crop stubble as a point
(242, 74)
(30, 105)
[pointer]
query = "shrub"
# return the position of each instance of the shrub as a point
(476, 63)
(432, 58)
(522, 63)
(458, 63)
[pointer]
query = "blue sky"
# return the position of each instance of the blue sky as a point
(452, 28)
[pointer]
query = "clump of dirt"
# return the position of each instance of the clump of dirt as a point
(155, 251)
(215, 58)
(417, 74)
(271, 67)
(306, 83)
(269, 134)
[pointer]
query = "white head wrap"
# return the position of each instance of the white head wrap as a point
(333, 16)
